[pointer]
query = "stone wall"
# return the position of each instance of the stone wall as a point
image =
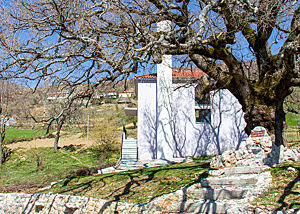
(257, 151)
(54, 203)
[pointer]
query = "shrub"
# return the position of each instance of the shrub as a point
(6, 152)
(105, 134)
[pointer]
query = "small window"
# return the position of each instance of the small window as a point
(203, 115)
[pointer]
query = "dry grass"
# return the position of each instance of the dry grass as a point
(284, 192)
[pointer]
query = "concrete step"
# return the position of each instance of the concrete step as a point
(216, 194)
(129, 147)
(129, 167)
(129, 144)
(128, 157)
(237, 181)
(238, 171)
(129, 153)
(128, 162)
(129, 150)
(129, 141)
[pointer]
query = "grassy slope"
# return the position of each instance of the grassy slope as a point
(23, 165)
(139, 185)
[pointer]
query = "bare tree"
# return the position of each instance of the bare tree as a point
(67, 103)
(4, 115)
(2, 136)
(250, 47)
(67, 108)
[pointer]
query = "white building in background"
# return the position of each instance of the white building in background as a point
(8, 121)
(127, 94)
(194, 127)
(173, 123)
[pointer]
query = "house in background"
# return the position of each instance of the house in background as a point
(173, 122)
(8, 121)
(127, 93)
(53, 97)
(210, 125)
(110, 93)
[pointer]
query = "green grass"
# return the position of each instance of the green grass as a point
(292, 119)
(292, 101)
(139, 185)
(14, 134)
(284, 192)
(23, 165)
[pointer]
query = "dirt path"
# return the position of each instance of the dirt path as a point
(75, 139)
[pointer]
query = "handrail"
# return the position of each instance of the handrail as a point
(124, 133)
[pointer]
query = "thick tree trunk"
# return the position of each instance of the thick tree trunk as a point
(269, 116)
(279, 122)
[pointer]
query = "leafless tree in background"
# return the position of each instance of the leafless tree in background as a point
(5, 90)
(250, 47)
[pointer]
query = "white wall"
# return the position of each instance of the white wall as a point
(147, 120)
(189, 138)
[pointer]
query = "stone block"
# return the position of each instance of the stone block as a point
(243, 170)
(216, 194)
(106, 170)
(228, 181)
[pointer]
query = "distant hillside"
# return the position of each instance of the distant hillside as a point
(119, 86)
(11, 86)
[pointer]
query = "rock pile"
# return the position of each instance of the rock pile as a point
(257, 151)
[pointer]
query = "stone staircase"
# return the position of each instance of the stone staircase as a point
(129, 149)
(227, 190)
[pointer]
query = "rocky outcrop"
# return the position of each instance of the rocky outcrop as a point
(257, 151)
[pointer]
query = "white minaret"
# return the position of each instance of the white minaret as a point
(164, 136)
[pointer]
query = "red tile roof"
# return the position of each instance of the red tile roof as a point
(130, 91)
(176, 75)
